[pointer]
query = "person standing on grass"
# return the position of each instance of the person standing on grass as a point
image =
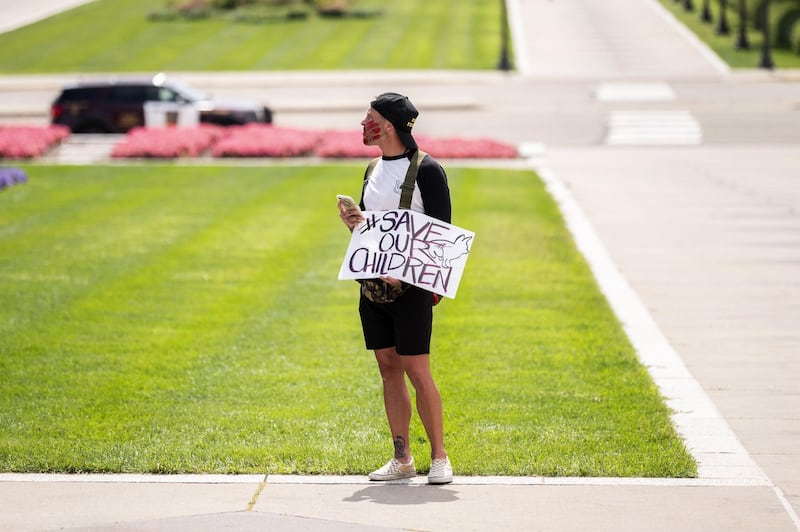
(399, 331)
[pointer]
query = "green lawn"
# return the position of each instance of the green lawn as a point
(116, 36)
(723, 45)
(161, 318)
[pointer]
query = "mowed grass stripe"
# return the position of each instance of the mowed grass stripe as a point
(409, 34)
(142, 217)
(224, 42)
(60, 44)
(187, 255)
(197, 309)
(71, 207)
(231, 347)
(186, 41)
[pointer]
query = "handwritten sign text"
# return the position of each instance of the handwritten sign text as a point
(409, 246)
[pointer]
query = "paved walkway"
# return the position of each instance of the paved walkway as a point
(706, 236)
(607, 38)
(18, 13)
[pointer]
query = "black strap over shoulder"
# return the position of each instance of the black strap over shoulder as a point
(407, 188)
(370, 168)
(372, 164)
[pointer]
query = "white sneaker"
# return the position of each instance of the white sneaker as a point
(394, 470)
(441, 471)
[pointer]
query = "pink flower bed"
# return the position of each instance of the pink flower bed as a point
(264, 140)
(457, 148)
(167, 143)
(25, 142)
(260, 140)
(348, 144)
(345, 144)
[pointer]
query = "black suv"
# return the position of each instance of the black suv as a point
(117, 106)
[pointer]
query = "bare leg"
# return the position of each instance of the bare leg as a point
(396, 400)
(429, 401)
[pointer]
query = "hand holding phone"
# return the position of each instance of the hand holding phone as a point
(349, 211)
(347, 202)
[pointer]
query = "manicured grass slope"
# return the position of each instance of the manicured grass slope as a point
(189, 319)
(724, 45)
(115, 35)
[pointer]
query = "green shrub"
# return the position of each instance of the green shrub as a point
(787, 21)
(783, 31)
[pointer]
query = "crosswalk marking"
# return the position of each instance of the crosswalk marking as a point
(653, 128)
(634, 92)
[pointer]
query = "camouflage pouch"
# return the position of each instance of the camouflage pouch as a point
(378, 291)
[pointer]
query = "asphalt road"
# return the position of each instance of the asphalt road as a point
(747, 108)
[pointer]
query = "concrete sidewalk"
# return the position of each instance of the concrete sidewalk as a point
(353, 503)
(16, 13)
(706, 236)
(709, 238)
(626, 39)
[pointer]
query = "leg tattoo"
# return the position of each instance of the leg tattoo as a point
(399, 447)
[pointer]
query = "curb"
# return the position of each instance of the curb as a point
(420, 480)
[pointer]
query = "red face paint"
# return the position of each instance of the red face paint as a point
(372, 132)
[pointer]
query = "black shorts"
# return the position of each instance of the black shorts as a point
(404, 324)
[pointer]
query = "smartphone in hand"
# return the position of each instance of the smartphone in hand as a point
(347, 202)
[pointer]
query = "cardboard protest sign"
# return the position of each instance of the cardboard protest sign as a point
(409, 246)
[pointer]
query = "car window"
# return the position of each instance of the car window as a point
(129, 93)
(73, 95)
(167, 95)
(186, 93)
